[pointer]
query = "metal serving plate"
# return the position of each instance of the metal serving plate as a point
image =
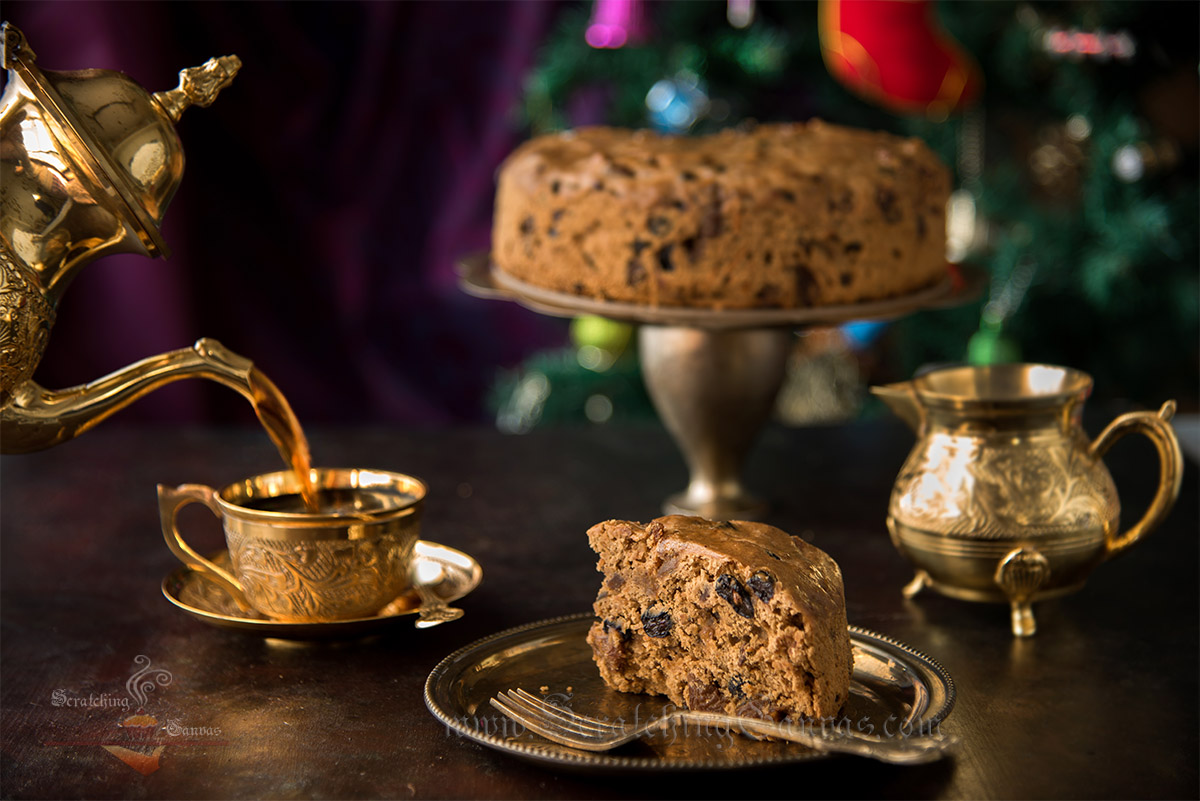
(895, 691)
(479, 277)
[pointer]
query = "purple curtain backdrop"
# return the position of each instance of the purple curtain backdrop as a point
(327, 196)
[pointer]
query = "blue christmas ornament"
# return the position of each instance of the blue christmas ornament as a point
(863, 333)
(676, 104)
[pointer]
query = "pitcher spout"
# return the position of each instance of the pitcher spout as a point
(37, 418)
(901, 398)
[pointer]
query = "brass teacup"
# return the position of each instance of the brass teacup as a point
(347, 559)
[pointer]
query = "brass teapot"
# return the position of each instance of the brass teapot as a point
(89, 161)
(1003, 497)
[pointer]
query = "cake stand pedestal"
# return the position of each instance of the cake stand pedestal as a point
(713, 374)
(714, 390)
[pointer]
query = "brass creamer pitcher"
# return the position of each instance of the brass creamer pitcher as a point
(88, 163)
(1003, 498)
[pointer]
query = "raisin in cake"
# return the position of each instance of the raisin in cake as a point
(733, 617)
(781, 215)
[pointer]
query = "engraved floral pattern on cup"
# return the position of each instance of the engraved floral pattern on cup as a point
(324, 579)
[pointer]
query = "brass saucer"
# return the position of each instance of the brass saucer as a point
(204, 599)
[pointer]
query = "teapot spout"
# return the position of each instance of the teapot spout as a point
(901, 398)
(37, 418)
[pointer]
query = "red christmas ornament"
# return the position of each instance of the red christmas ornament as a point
(894, 53)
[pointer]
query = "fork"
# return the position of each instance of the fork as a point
(563, 726)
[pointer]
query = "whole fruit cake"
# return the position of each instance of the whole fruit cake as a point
(733, 617)
(780, 215)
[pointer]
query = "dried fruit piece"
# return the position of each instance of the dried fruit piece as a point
(664, 259)
(659, 226)
(842, 203)
(613, 626)
(703, 697)
(769, 295)
(712, 221)
(735, 594)
(762, 584)
(885, 198)
(808, 291)
(692, 247)
(635, 273)
(657, 624)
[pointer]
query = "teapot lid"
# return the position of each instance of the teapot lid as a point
(116, 133)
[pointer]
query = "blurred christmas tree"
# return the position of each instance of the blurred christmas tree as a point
(1076, 163)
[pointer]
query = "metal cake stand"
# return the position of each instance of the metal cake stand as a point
(712, 374)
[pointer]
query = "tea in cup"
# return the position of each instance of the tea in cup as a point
(345, 556)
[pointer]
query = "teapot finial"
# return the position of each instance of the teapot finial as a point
(14, 43)
(199, 86)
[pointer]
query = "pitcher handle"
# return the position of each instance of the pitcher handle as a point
(170, 501)
(1158, 428)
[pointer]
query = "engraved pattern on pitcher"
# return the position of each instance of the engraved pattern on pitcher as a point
(968, 487)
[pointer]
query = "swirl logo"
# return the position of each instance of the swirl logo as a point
(146, 679)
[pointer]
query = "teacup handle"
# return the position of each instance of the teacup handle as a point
(170, 501)
(1158, 428)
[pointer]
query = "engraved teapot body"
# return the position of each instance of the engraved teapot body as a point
(1003, 497)
(89, 161)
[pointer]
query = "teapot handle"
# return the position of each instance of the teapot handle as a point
(1158, 428)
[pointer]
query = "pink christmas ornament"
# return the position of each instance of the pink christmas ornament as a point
(616, 23)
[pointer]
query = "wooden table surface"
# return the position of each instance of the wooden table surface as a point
(1102, 703)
